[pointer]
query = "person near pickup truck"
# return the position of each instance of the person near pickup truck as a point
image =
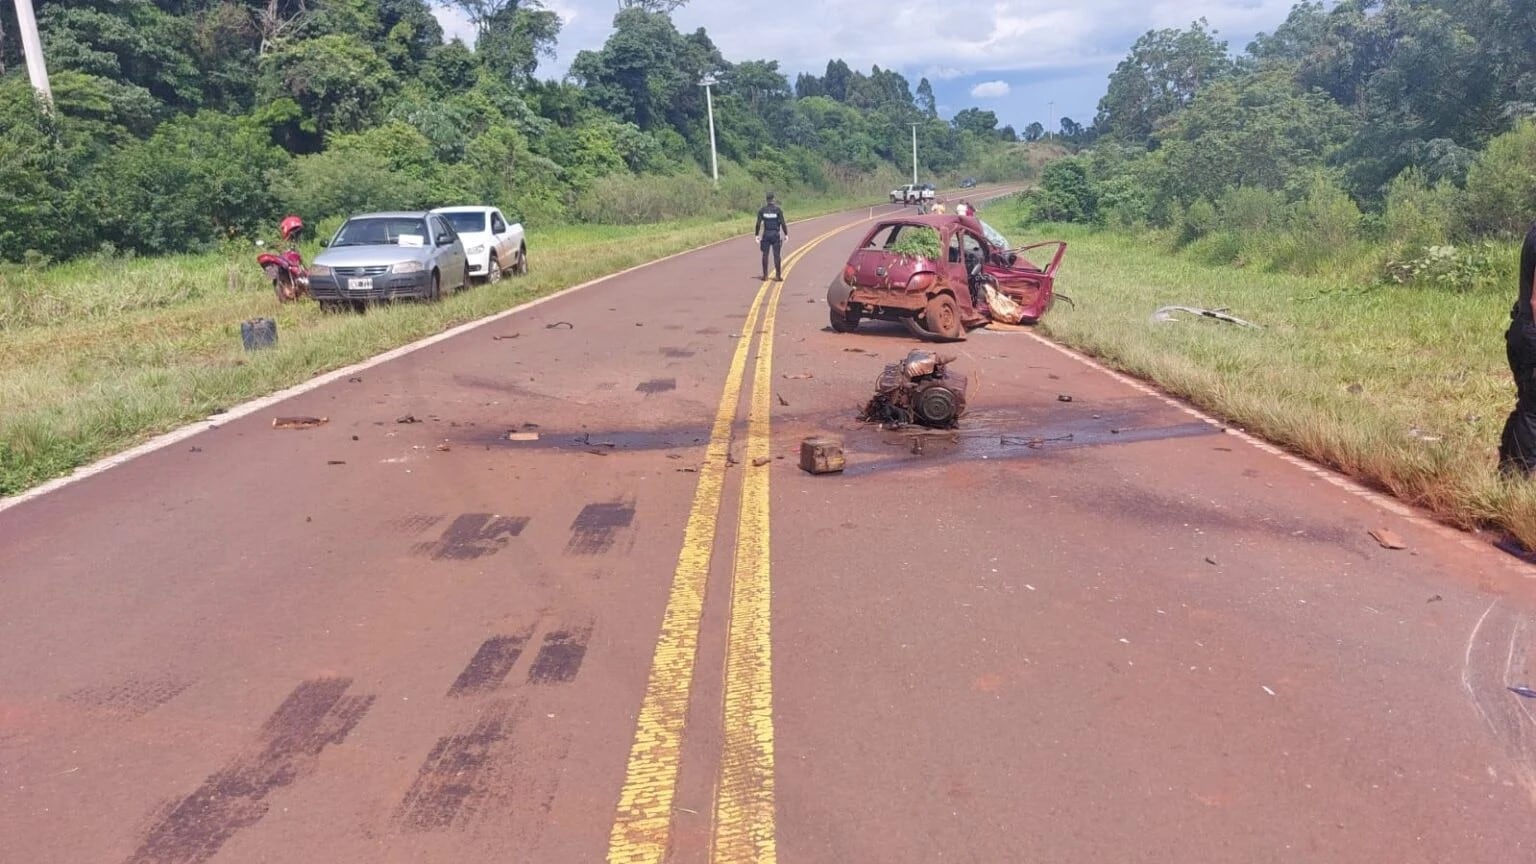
(1517, 446)
(771, 229)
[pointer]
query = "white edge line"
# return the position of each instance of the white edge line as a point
(1348, 484)
(160, 442)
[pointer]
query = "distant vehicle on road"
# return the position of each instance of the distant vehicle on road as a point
(931, 274)
(493, 244)
(387, 256)
(913, 193)
(968, 183)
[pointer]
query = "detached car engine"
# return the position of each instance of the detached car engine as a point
(918, 390)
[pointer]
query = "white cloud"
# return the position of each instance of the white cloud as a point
(991, 90)
(942, 73)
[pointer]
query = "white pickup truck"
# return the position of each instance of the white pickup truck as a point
(912, 193)
(492, 244)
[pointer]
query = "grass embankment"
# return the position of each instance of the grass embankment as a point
(1403, 388)
(99, 354)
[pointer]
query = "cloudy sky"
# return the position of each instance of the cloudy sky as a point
(1015, 57)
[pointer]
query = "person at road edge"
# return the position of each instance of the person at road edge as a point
(771, 229)
(1517, 446)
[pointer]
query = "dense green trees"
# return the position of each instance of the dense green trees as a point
(180, 123)
(1395, 125)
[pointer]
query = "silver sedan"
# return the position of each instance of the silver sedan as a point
(384, 256)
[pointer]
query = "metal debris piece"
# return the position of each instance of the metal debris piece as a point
(522, 436)
(500, 337)
(354, 380)
(1523, 691)
(782, 400)
(560, 325)
(1165, 314)
(920, 390)
(335, 462)
(1211, 561)
(798, 376)
(821, 455)
(409, 418)
(1435, 599)
(1063, 398)
(443, 448)
(1388, 538)
(299, 422)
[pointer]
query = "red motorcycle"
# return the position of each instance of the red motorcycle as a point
(290, 278)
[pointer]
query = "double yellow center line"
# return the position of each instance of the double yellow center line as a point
(744, 807)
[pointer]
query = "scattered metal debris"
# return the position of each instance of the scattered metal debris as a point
(1165, 314)
(1211, 561)
(443, 448)
(500, 336)
(798, 376)
(1523, 691)
(335, 462)
(522, 436)
(409, 418)
(355, 380)
(920, 390)
(1032, 443)
(1388, 538)
(1063, 398)
(822, 455)
(782, 401)
(299, 422)
(1435, 599)
(560, 325)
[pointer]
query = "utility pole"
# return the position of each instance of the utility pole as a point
(37, 70)
(709, 100)
(914, 154)
(1050, 116)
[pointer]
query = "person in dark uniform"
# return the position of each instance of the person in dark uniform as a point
(1517, 447)
(772, 228)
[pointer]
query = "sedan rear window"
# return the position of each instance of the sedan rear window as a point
(381, 231)
(466, 223)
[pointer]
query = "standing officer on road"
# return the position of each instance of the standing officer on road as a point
(1517, 447)
(773, 228)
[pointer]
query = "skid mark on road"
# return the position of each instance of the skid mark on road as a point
(473, 535)
(490, 665)
(560, 656)
(418, 524)
(316, 714)
(473, 775)
(656, 385)
(129, 699)
(597, 527)
(458, 774)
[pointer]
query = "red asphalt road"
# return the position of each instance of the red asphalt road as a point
(1150, 642)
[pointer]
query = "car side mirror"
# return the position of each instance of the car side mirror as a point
(444, 240)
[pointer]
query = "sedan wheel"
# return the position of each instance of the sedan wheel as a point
(435, 288)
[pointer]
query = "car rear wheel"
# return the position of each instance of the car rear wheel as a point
(942, 318)
(844, 323)
(521, 267)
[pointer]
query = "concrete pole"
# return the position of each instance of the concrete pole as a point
(914, 154)
(714, 160)
(37, 70)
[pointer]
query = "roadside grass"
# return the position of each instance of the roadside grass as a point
(99, 354)
(1403, 388)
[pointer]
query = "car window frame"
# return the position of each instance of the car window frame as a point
(497, 217)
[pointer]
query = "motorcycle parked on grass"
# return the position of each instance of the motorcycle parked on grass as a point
(290, 278)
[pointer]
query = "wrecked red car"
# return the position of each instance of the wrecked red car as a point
(931, 273)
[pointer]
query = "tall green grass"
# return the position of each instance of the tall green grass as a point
(1402, 386)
